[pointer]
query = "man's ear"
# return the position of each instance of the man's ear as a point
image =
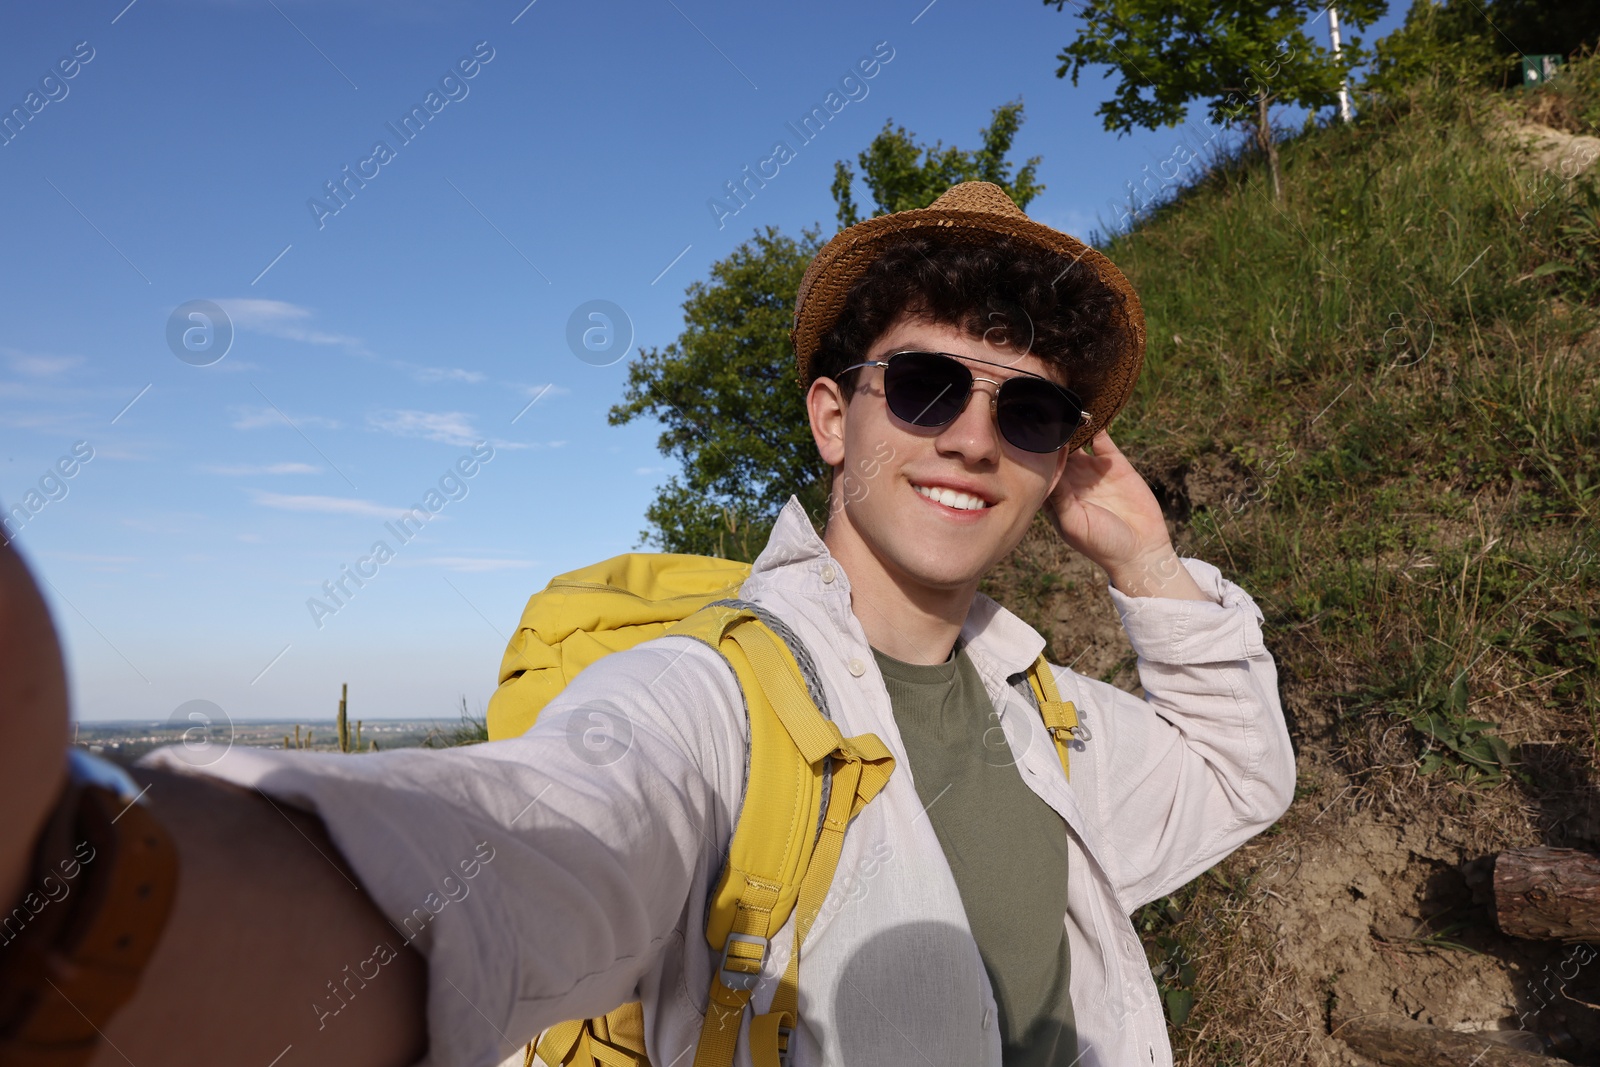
(1061, 467)
(825, 403)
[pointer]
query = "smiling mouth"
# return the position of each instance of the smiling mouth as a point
(952, 498)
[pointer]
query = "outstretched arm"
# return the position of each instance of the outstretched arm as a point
(266, 911)
(267, 914)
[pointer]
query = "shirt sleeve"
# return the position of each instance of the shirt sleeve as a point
(1203, 762)
(540, 876)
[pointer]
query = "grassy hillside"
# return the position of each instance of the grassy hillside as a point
(1374, 406)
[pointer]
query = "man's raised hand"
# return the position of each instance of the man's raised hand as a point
(1103, 509)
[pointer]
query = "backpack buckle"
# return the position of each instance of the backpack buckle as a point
(742, 981)
(785, 1046)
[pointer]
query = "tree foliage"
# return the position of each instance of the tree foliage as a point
(1239, 59)
(903, 175)
(725, 392)
(1451, 41)
(1438, 43)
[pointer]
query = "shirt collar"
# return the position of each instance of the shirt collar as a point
(795, 560)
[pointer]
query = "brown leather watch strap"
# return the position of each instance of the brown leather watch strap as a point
(104, 880)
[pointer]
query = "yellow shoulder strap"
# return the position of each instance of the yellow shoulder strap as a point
(1060, 717)
(612, 1040)
(777, 857)
(783, 855)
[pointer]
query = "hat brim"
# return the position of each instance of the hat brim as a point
(844, 259)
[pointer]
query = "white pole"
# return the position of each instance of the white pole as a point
(1344, 86)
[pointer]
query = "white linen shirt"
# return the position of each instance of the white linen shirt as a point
(606, 825)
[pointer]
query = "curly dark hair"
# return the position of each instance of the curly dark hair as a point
(1046, 303)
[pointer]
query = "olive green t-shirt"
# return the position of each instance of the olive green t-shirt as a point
(1006, 847)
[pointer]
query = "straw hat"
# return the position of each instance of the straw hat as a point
(976, 209)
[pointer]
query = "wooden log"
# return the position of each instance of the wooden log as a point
(1396, 1041)
(1548, 894)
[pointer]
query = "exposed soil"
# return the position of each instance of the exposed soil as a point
(1370, 896)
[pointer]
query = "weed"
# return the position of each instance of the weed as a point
(473, 729)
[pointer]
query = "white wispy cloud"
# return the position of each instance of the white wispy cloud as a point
(278, 318)
(246, 470)
(38, 364)
(127, 451)
(430, 375)
(327, 505)
(248, 418)
(450, 427)
(544, 390)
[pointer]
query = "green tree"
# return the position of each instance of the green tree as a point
(1438, 44)
(903, 175)
(725, 391)
(1238, 58)
(1539, 27)
(1451, 41)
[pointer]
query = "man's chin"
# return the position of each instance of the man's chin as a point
(929, 555)
(947, 572)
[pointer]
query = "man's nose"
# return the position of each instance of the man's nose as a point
(974, 433)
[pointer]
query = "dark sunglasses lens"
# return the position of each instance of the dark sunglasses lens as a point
(1038, 416)
(926, 389)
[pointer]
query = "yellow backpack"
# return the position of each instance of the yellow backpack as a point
(785, 846)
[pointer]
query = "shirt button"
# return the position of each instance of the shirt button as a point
(828, 573)
(857, 668)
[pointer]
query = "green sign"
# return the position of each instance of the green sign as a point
(1536, 70)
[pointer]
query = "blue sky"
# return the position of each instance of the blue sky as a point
(378, 337)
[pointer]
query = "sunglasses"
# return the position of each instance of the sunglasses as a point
(931, 389)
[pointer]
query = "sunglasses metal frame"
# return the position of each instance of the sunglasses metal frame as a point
(994, 400)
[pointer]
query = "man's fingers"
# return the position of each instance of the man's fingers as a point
(1100, 445)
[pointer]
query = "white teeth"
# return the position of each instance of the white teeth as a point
(950, 498)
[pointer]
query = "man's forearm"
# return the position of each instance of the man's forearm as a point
(273, 949)
(1162, 574)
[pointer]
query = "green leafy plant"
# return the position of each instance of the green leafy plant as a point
(1174, 973)
(1579, 242)
(903, 175)
(1442, 717)
(1238, 59)
(725, 395)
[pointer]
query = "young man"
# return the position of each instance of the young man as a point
(956, 359)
